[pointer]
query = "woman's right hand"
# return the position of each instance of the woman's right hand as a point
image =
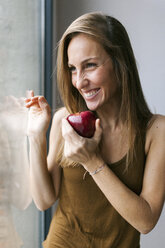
(39, 114)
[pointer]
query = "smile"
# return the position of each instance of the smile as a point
(91, 93)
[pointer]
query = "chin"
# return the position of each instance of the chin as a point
(92, 107)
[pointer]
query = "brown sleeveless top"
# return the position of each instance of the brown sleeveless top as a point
(85, 218)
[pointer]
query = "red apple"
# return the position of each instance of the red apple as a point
(83, 123)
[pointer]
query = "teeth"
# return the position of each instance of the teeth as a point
(91, 93)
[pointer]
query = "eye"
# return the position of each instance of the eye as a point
(90, 65)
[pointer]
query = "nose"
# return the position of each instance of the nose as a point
(81, 80)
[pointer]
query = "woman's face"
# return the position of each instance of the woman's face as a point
(92, 72)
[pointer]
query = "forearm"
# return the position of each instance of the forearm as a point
(42, 186)
(132, 207)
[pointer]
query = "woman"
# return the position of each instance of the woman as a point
(123, 193)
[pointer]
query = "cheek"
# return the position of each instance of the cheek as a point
(110, 79)
(97, 78)
(103, 77)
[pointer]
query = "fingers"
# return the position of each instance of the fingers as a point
(29, 93)
(43, 104)
(69, 133)
(39, 104)
(66, 129)
(98, 131)
(30, 98)
(33, 100)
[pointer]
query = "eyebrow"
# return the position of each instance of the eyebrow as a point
(85, 60)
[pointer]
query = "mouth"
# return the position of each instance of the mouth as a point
(91, 94)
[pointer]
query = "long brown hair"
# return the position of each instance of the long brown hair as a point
(111, 34)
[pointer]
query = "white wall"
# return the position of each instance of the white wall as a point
(144, 21)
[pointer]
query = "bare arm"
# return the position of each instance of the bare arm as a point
(42, 188)
(54, 144)
(142, 211)
(44, 173)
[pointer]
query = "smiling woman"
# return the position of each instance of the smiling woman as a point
(92, 72)
(123, 190)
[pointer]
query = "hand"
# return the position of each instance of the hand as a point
(39, 114)
(78, 148)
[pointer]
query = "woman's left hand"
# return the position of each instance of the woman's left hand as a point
(78, 148)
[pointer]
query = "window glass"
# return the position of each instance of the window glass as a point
(20, 70)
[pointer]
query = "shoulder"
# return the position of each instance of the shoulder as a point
(60, 114)
(157, 125)
(156, 130)
(55, 137)
(56, 122)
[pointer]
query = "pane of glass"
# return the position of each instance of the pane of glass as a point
(20, 69)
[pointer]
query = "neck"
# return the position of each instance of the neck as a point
(109, 115)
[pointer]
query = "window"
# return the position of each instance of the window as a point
(21, 68)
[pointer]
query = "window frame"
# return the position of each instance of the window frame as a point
(46, 89)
